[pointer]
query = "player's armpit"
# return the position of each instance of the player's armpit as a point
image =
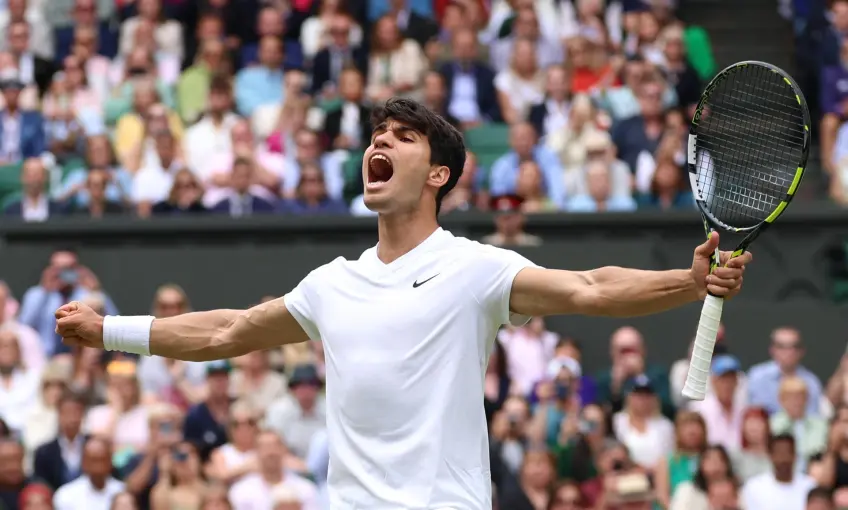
(219, 334)
(608, 291)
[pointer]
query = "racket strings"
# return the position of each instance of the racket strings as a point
(749, 143)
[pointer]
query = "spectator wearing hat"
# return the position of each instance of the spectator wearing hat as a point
(298, 416)
(629, 360)
(559, 398)
(21, 131)
(523, 142)
(641, 427)
(36, 496)
(509, 224)
(206, 423)
(721, 410)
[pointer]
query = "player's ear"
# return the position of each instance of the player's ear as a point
(438, 176)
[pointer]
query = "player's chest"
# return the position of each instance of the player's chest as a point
(406, 312)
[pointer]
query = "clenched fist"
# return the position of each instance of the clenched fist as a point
(79, 325)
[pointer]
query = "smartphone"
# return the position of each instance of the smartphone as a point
(69, 276)
(179, 455)
(166, 427)
(562, 391)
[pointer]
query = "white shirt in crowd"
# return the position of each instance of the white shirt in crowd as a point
(411, 338)
(649, 447)
(764, 491)
(18, 397)
(82, 495)
(252, 492)
(206, 144)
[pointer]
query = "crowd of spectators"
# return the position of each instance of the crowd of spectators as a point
(247, 107)
(85, 429)
(163, 107)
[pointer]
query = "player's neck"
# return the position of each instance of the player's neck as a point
(400, 233)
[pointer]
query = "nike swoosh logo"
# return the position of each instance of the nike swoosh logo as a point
(418, 284)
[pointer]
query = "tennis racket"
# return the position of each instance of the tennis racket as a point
(747, 149)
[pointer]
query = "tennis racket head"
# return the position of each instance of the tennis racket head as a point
(748, 146)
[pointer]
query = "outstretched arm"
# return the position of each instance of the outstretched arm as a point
(621, 292)
(197, 336)
(608, 291)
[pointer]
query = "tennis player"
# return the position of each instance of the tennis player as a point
(408, 327)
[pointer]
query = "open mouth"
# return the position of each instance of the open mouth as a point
(379, 169)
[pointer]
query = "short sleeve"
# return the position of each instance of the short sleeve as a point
(494, 272)
(502, 82)
(303, 302)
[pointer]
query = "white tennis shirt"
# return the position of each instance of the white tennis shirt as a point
(406, 347)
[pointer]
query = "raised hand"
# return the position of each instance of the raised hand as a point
(725, 281)
(79, 325)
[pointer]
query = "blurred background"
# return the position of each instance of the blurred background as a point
(160, 156)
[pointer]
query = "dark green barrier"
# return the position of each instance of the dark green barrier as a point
(232, 263)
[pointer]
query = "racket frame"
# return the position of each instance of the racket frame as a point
(696, 380)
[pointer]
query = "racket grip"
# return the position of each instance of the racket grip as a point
(702, 353)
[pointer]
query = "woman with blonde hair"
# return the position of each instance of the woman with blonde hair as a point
(230, 462)
(123, 420)
(42, 421)
(396, 66)
(522, 84)
(18, 384)
(810, 431)
(690, 441)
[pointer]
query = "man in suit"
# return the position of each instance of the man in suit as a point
(241, 202)
(471, 96)
(21, 132)
(34, 204)
(411, 24)
(328, 63)
(32, 69)
(60, 461)
(349, 127)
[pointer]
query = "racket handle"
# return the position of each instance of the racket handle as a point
(702, 353)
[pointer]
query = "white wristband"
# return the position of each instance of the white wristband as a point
(127, 334)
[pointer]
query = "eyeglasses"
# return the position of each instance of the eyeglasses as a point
(241, 423)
